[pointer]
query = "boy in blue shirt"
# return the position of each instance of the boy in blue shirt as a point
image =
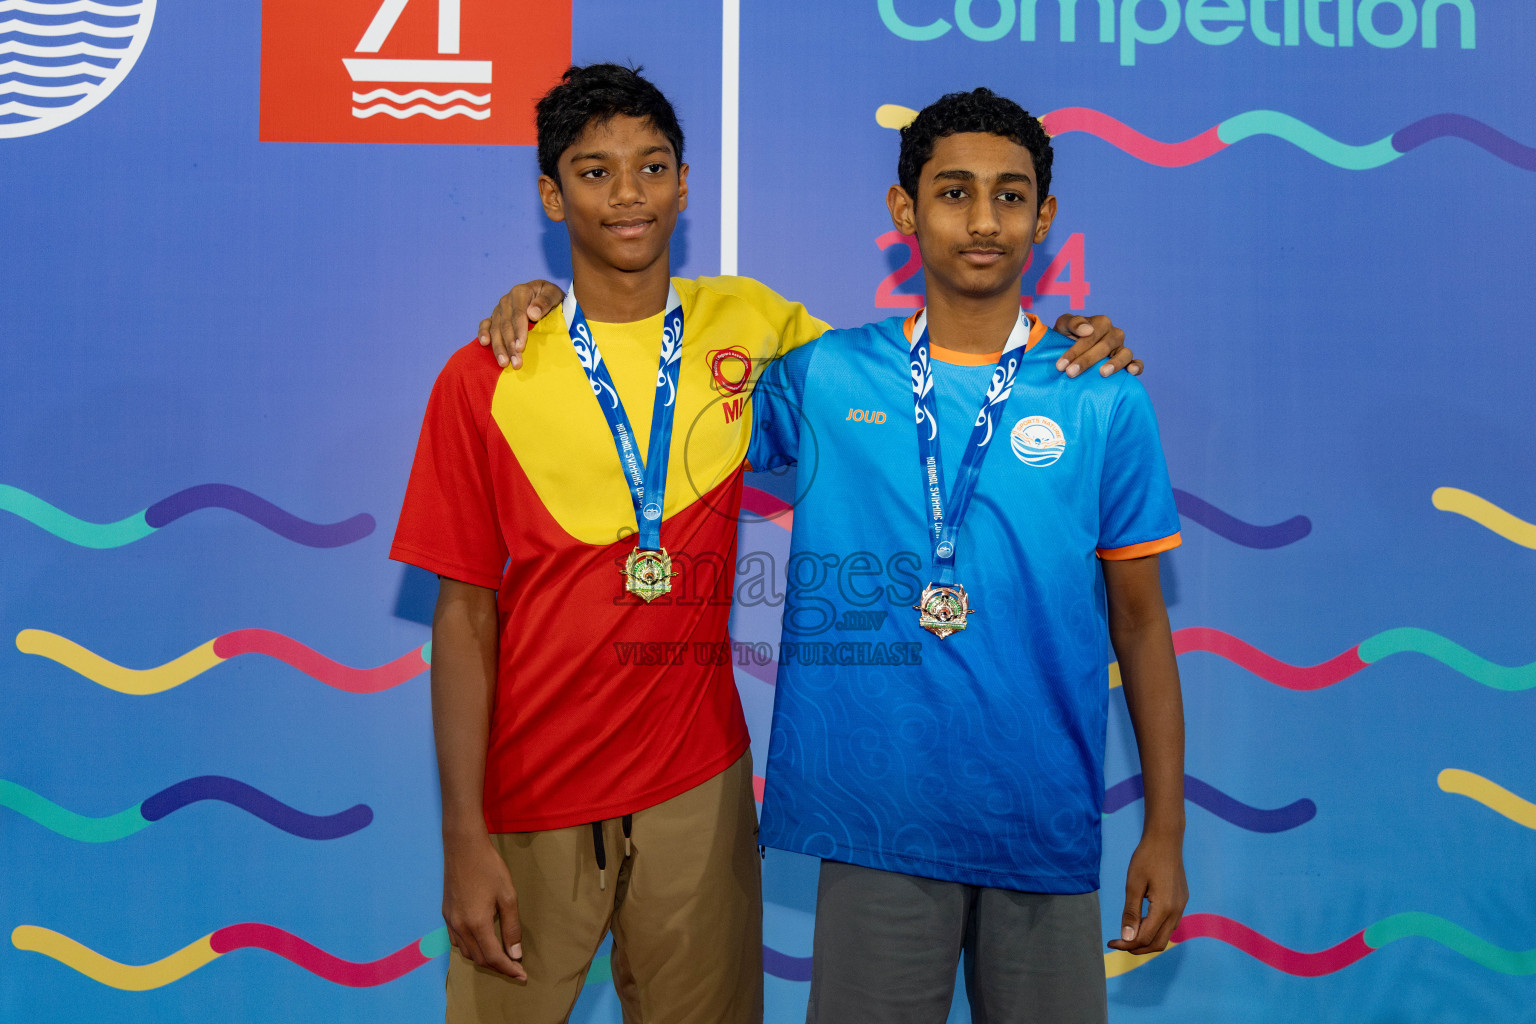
(955, 799)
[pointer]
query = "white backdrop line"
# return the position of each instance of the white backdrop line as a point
(78, 7)
(72, 28)
(730, 128)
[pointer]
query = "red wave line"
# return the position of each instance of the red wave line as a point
(1292, 677)
(314, 664)
(1116, 133)
(1267, 951)
(317, 961)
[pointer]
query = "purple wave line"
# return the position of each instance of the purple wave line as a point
(260, 511)
(1203, 794)
(1224, 524)
(1460, 126)
(782, 965)
(253, 801)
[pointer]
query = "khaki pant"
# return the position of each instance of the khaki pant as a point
(685, 908)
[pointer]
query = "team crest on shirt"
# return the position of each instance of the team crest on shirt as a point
(1037, 440)
(730, 369)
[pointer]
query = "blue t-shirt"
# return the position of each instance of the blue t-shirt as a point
(977, 758)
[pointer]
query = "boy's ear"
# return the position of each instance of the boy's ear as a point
(903, 210)
(552, 198)
(682, 188)
(1047, 215)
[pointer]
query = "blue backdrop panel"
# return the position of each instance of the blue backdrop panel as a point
(217, 351)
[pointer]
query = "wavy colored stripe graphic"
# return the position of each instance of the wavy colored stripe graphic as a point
(143, 682)
(768, 506)
(1292, 677)
(1335, 958)
(1485, 514)
(173, 798)
(1230, 527)
(1203, 794)
(166, 511)
(1266, 122)
(1490, 794)
(141, 977)
(75, 7)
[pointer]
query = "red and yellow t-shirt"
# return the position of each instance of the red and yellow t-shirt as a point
(604, 705)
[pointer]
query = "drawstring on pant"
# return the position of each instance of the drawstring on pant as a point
(602, 856)
(627, 822)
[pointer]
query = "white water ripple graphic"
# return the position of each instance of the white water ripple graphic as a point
(420, 94)
(457, 109)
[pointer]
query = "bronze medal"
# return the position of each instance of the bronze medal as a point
(943, 610)
(648, 574)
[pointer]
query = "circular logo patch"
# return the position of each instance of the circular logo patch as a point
(1037, 441)
(61, 58)
(652, 511)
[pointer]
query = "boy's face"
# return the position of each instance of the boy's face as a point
(619, 193)
(976, 214)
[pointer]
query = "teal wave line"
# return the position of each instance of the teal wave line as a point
(1454, 937)
(1308, 139)
(1452, 655)
(65, 526)
(434, 944)
(66, 822)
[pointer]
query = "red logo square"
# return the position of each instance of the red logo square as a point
(464, 72)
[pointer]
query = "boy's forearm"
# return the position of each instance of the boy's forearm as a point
(464, 635)
(1149, 676)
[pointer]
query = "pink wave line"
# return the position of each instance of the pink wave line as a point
(316, 665)
(1292, 677)
(1123, 136)
(1267, 951)
(776, 510)
(314, 959)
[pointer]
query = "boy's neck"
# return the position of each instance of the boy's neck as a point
(977, 324)
(612, 296)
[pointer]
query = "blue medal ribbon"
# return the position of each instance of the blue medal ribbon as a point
(945, 513)
(648, 480)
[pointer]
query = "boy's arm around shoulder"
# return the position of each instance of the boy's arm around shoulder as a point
(1149, 673)
(477, 888)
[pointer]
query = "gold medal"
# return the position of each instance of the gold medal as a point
(943, 610)
(648, 574)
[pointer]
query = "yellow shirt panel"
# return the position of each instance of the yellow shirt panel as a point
(732, 327)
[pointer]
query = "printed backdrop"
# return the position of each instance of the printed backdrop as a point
(241, 239)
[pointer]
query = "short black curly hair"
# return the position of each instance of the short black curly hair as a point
(980, 110)
(596, 93)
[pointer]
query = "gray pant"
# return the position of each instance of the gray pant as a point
(887, 945)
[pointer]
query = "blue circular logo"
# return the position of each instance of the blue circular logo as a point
(651, 511)
(946, 549)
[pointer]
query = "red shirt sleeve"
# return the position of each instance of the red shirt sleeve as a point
(449, 524)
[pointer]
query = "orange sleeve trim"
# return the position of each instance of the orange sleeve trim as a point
(1142, 550)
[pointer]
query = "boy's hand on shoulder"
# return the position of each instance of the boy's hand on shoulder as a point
(1096, 339)
(1156, 874)
(506, 329)
(477, 889)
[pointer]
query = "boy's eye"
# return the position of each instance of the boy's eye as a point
(1011, 197)
(953, 193)
(656, 168)
(594, 172)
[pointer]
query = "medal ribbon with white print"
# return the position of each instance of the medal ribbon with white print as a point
(647, 481)
(946, 514)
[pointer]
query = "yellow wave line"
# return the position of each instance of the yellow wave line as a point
(1114, 674)
(1486, 514)
(1120, 962)
(131, 977)
(1490, 794)
(140, 682)
(894, 115)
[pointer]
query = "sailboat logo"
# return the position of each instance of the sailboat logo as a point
(379, 79)
(59, 58)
